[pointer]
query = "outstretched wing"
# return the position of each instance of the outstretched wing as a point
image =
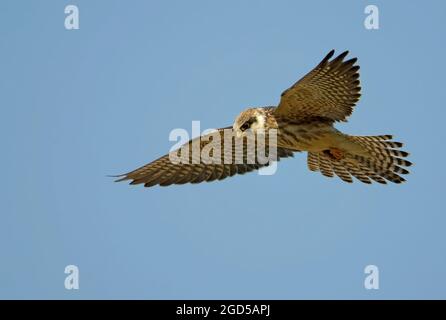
(211, 162)
(329, 91)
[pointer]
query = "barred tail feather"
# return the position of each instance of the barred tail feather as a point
(381, 161)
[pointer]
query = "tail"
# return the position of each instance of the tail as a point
(366, 158)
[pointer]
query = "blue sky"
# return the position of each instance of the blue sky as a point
(78, 105)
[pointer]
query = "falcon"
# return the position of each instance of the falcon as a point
(303, 122)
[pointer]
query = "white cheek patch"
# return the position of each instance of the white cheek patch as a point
(259, 124)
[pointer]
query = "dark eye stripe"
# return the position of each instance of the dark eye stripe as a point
(248, 124)
(245, 126)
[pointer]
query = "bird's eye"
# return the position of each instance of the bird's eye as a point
(245, 126)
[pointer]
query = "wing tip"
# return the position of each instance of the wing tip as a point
(339, 58)
(328, 57)
(121, 177)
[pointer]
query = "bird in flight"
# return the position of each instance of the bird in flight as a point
(304, 122)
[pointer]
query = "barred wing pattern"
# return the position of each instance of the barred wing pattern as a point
(329, 91)
(164, 172)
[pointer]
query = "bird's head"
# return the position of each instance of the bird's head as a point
(253, 119)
